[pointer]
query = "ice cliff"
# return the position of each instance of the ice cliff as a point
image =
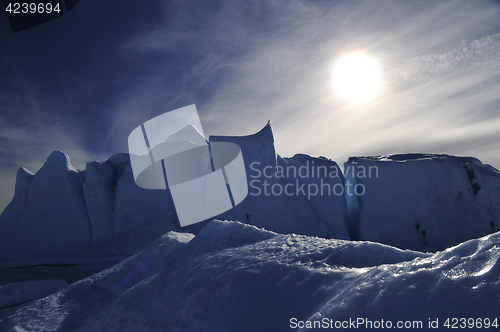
(61, 215)
(422, 202)
(322, 216)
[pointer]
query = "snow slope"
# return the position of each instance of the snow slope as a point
(236, 277)
(424, 202)
(20, 292)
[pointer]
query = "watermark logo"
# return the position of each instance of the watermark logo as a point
(205, 179)
(27, 14)
(308, 180)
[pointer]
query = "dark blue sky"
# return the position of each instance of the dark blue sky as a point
(72, 69)
(81, 83)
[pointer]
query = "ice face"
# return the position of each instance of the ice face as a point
(106, 215)
(418, 201)
(60, 215)
(424, 202)
(47, 217)
(321, 215)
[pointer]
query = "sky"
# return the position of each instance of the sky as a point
(82, 82)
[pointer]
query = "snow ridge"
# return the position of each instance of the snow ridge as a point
(217, 281)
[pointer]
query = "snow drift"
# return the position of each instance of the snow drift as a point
(20, 292)
(236, 277)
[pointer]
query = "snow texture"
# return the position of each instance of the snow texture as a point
(20, 292)
(420, 201)
(236, 277)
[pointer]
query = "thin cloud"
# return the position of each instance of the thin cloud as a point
(464, 55)
(288, 81)
(243, 63)
(440, 60)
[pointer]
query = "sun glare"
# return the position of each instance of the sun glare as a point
(357, 77)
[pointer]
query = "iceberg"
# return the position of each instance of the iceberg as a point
(47, 216)
(422, 201)
(318, 215)
(62, 216)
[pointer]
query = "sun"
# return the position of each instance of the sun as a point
(357, 77)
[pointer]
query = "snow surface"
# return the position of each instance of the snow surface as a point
(20, 292)
(424, 202)
(236, 277)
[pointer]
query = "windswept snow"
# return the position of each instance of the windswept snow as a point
(235, 277)
(20, 292)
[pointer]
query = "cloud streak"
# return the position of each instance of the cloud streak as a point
(442, 100)
(243, 63)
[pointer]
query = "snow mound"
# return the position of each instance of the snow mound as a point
(236, 277)
(421, 201)
(20, 292)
